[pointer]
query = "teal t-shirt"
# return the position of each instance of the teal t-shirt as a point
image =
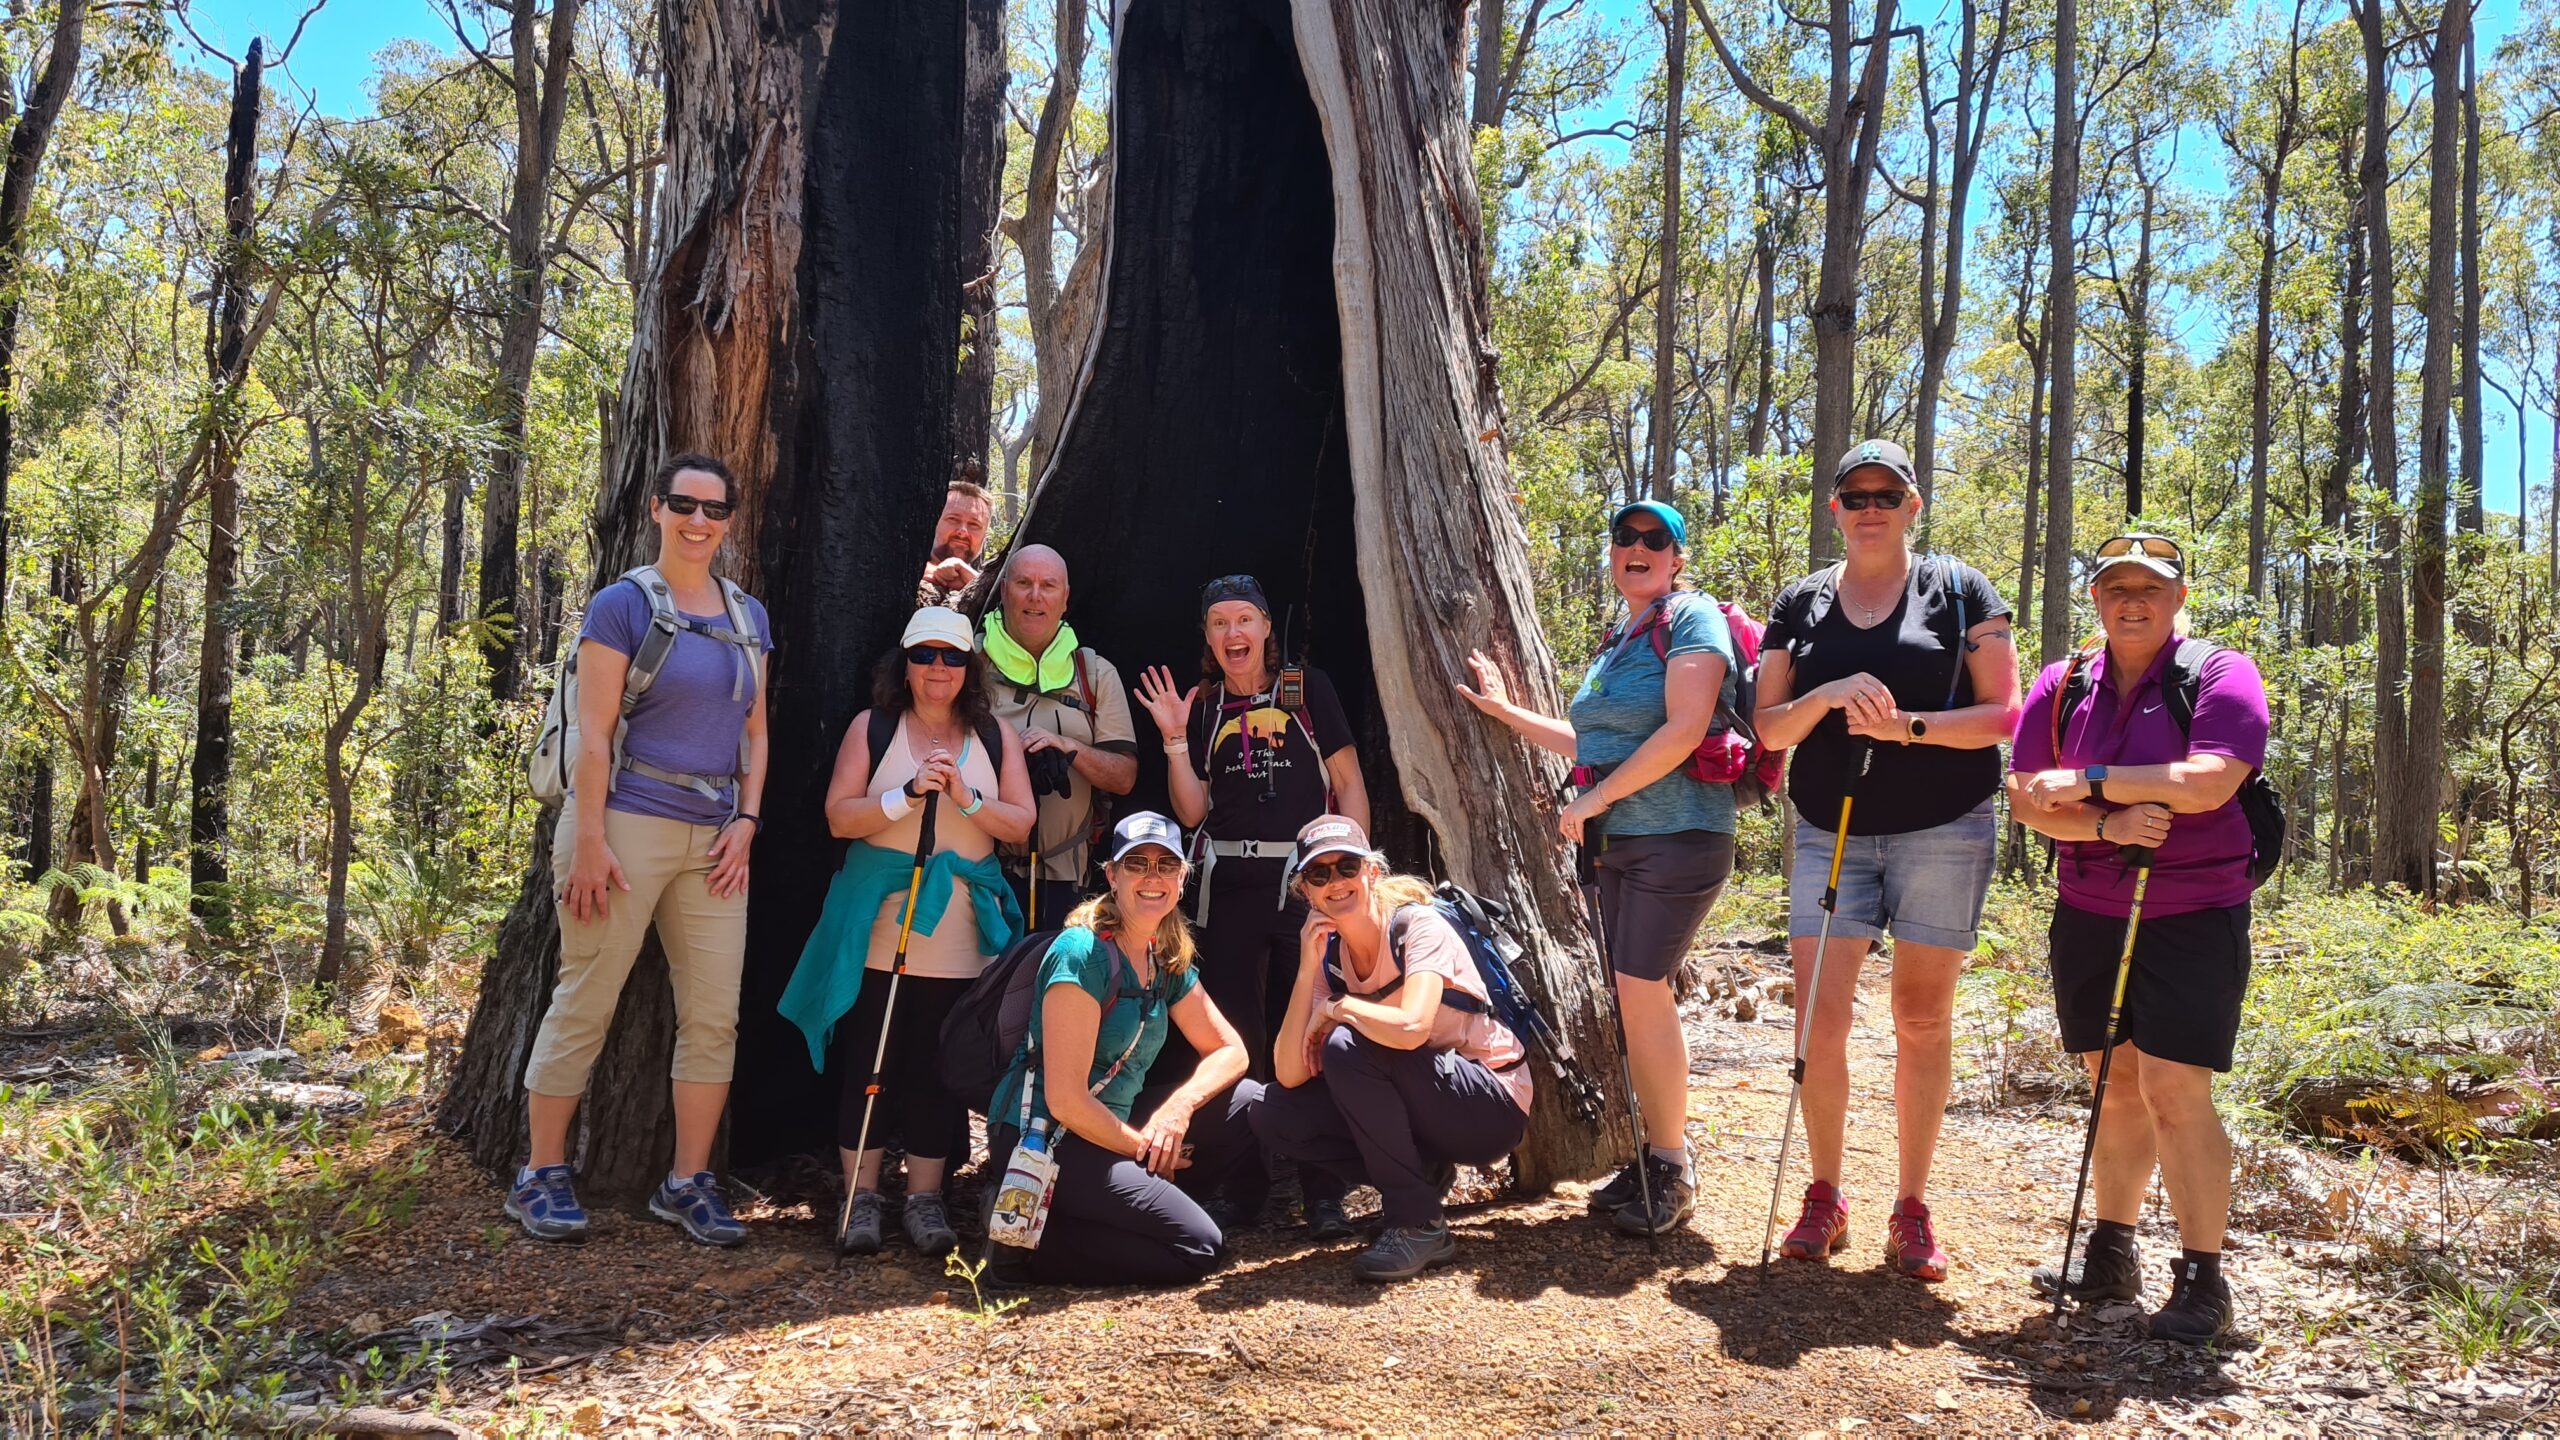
(1080, 958)
(1620, 704)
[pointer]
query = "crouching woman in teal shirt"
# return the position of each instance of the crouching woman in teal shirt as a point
(1129, 1160)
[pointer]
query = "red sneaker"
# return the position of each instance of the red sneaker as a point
(1823, 1227)
(1910, 1247)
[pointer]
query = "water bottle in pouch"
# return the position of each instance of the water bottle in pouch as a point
(1021, 1208)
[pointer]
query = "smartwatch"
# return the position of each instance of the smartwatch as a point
(1919, 727)
(2096, 775)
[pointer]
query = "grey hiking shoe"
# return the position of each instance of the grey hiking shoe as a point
(1621, 1190)
(2107, 1268)
(548, 1208)
(928, 1224)
(1404, 1251)
(1673, 1199)
(862, 1228)
(698, 1206)
(2199, 1308)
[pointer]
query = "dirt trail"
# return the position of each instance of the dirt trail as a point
(1546, 1323)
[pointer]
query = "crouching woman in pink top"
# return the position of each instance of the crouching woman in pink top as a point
(1392, 1068)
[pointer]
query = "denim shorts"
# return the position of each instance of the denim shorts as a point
(1925, 886)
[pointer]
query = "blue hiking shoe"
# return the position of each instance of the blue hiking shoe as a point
(547, 1207)
(696, 1205)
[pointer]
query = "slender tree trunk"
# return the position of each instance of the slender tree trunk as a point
(2470, 515)
(226, 329)
(2137, 388)
(1941, 311)
(2336, 605)
(2063, 330)
(1663, 425)
(1764, 322)
(2394, 858)
(2419, 796)
(1485, 105)
(982, 207)
(28, 140)
(1056, 340)
(539, 70)
(2262, 351)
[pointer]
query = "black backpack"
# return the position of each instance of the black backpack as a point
(1483, 926)
(984, 1033)
(2259, 802)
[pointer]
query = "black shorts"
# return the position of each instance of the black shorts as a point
(2182, 1001)
(1655, 890)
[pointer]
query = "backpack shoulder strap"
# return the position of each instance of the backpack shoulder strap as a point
(1818, 604)
(2067, 695)
(2185, 680)
(1084, 679)
(658, 643)
(882, 729)
(990, 732)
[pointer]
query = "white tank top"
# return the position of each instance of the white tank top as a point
(951, 951)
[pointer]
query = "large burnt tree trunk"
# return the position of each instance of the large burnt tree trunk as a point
(1290, 374)
(800, 321)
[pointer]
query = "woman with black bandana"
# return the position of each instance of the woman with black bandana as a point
(1249, 763)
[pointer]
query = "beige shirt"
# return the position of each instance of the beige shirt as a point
(951, 951)
(1065, 820)
(1432, 947)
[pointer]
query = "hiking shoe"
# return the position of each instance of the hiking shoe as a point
(2199, 1309)
(863, 1225)
(1404, 1251)
(2107, 1268)
(928, 1224)
(1674, 1196)
(1823, 1227)
(1910, 1245)
(1326, 1221)
(1621, 1190)
(696, 1205)
(1444, 1178)
(548, 1208)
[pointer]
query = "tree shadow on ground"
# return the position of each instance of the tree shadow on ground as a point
(1774, 1316)
(1513, 1256)
(2086, 1368)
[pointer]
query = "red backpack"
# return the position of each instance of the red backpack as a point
(1731, 753)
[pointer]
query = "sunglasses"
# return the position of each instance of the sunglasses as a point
(937, 655)
(1861, 499)
(711, 509)
(2152, 546)
(1137, 866)
(1325, 872)
(1628, 537)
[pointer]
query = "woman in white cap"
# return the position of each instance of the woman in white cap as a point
(927, 737)
(1114, 984)
(1392, 1067)
(1898, 668)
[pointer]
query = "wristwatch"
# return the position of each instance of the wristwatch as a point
(1918, 728)
(2096, 776)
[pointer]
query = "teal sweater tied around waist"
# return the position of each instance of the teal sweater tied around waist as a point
(829, 976)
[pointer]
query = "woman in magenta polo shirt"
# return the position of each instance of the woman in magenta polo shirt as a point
(2126, 773)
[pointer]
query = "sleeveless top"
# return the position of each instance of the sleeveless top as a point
(951, 951)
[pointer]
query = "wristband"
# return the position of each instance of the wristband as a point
(1176, 747)
(977, 801)
(895, 804)
(755, 820)
(2102, 827)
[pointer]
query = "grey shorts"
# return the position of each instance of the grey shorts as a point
(1655, 890)
(1925, 886)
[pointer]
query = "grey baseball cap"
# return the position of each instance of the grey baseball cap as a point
(1882, 453)
(1145, 827)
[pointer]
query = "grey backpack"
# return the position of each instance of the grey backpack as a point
(554, 760)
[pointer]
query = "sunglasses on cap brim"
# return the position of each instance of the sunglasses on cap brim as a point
(2154, 547)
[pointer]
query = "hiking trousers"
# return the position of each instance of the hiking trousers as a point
(1112, 1223)
(1385, 1117)
(668, 866)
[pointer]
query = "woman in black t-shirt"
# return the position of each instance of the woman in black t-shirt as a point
(1910, 656)
(1249, 766)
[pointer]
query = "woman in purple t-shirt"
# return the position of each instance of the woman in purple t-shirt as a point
(656, 832)
(2119, 770)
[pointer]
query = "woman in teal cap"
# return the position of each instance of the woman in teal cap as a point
(1660, 839)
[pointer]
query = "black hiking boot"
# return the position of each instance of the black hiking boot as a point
(1326, 1222)
(1620, 1190)
(1673, 1199)
(2199, 1308)
(2109, 1267)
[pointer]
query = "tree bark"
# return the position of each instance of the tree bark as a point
(2470, 515)
(2420, 792)
(2137, 398)
(973, 404)
(2337, 608)
(807, 254)
(2062, 330)
(2261, 356)
(1663, 425)
(2394, 858)
(28, 140)
(538, 69)
(226, 329)
(1293, 361)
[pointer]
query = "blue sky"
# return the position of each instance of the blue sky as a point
(335, 60)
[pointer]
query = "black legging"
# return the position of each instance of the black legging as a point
(1112, 1223)
(913, 1108)
(1248, 962)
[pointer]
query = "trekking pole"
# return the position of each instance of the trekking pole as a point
(888, 1011)
(2141, 859)
(1807, 996)
(1589, 872)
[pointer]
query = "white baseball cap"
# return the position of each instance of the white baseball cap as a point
(938, 623)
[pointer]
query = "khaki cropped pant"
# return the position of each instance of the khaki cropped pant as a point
(668, 865)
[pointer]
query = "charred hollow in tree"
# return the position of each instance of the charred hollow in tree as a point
(1290, 376)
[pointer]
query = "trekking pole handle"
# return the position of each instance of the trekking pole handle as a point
(1840, 841)
(924, 828)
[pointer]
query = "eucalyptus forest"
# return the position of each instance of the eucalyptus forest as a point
(329, 396)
